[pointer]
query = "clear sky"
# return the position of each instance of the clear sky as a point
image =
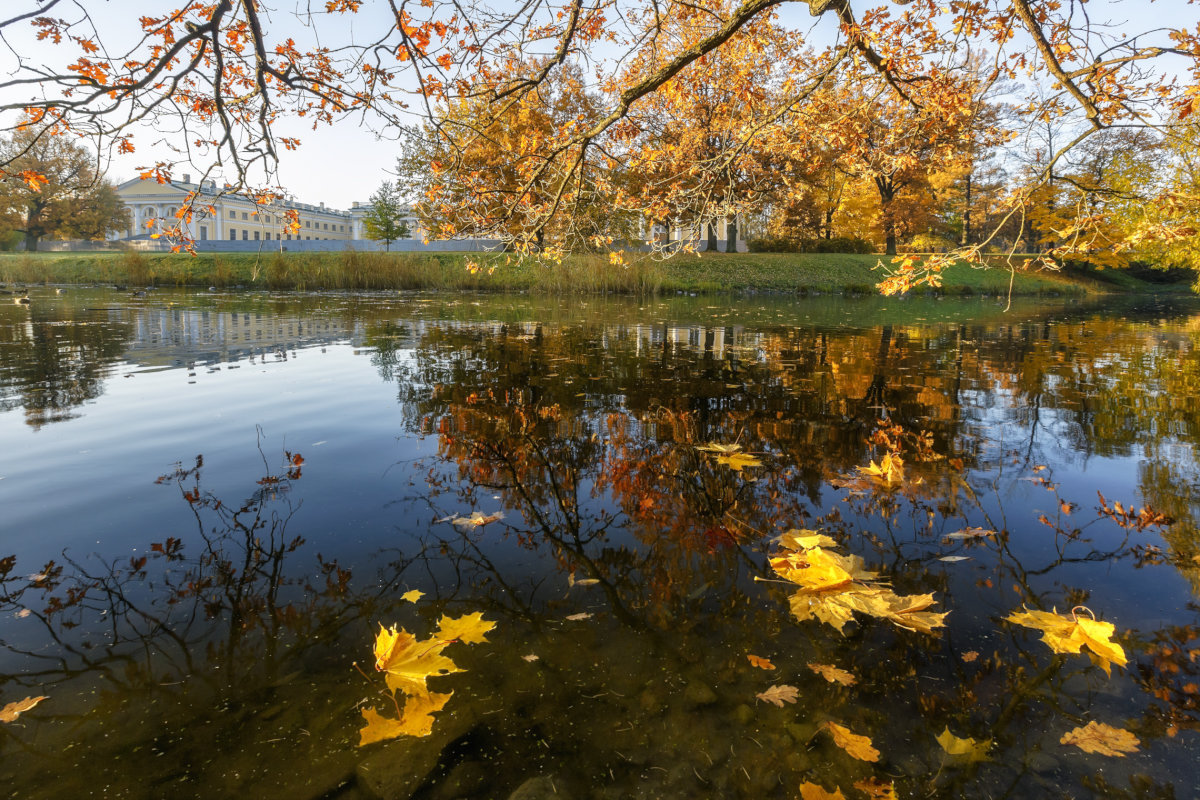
(347, 161)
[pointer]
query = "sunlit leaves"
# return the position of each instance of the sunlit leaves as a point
(856, 746)
(1105, 740)
(409, 662)
(412, 596)
(813, 791)
(416, 718)
(1071, 633)
(13, 710)
(758, 661)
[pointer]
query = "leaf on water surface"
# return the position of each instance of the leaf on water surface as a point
(759, 662)
(1105, 740)
(717, 447)
(531, 657)
(970, 749)
(1068, 634)
(779, 695)
(412, 595)
(876, 789)
(579, 616)
(408, 661)
(415, 720)
(469, 628)
(813, 791)
(805, 540)
(954, 559)
(571, 581)
(475, 520)
(834, 674)
(970, 656)
(856, 746)
(13, 710)
(971, 533)
(738, 461)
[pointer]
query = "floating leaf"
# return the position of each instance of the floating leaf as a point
(805, 540)
(579, 616)
(954, 559)
(470, 628)
(474, 521)
(813, 791)
(13, 710)
(856, 746)
(761, 663)
(717, 447)
(413, 595)
(571, 581)
(877, 790)
(1105, 740)
(833, 674)
(409, 662)
(971, 533)
(779, 695)
(415, 720)
(970, 656)
(531, 657)
(738, 461)
(1068, 634)
(971, 749)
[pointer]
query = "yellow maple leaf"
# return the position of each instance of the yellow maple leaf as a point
(412, 596)
(971, 749)
(834, 674)
(805, 540)
(738, 461)
(415, 720)
(857, 746)
(813, 791)
(408, 662)
(470, 628)
(1105, 740)
(1069, 634)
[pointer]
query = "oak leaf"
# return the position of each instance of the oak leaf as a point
(1105, 740)
(779, 695)
(834, 674)
(758, 661)
(856, 746)
(971, 749)
(415, 720)
(13, 710)
(813, 791)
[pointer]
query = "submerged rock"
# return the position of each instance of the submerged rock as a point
(542, 787)
(395, 770)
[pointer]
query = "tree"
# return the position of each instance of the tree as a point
(218, 76)
(62, 194)
(383, 221)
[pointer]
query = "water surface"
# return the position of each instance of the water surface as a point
(212, 501)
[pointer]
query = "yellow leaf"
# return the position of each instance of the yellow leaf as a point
(759, 662)
(470, 628)
(716, 447)
(738, 461)
(779, 695)
(1068, 634)
(971, 749)
(812, 791)
(415, 720)
(409, 662)
(833, 674)
(1096, 737)
(13, 710)
(876, 790)
(412, 596)
(805, 540)
(857, 746)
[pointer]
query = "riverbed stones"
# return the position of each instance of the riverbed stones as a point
(395, 770)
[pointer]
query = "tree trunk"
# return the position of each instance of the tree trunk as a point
(828, 224)
(966, 234)
(731, 235)
(712, 238)
(541, 239)
(887, 192)
(31, 242)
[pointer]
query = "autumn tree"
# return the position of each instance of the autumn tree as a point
(65, 197)
(384, 221)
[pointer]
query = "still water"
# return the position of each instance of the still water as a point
(210, 502)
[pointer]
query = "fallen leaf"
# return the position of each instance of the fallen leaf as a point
(970, 656)
(1068, 634)
(475, 520)
(834, 674)
(13, 710)
(779, 695)
(971, 749)
(877, 790)
(582, 581)
(717, 447)
(531, 657)
(470, 628)
(953, 559)
(1105, 740)
(812, 791)
(738, 461)
(412, 596)
(409, 662)
(761, 663)
(415, 720)
(577, 617)
(856, 746)
(971, 533)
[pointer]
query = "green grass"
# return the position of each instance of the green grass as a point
(718, 272)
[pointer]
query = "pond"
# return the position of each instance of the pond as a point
(670, 548)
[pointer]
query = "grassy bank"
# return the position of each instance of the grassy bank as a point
(773, 272)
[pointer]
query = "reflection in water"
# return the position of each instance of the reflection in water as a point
(627, 570)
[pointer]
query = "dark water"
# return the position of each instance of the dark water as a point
(209, 503)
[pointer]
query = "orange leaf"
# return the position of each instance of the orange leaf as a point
(856, 746)
(13, 710)
(761, 663)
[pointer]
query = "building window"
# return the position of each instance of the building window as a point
(245, 216)
(307, 224)
(232, 235)
(203, 233)
(233, 215)
(289, 237)
(245, 235)
(256, 236)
